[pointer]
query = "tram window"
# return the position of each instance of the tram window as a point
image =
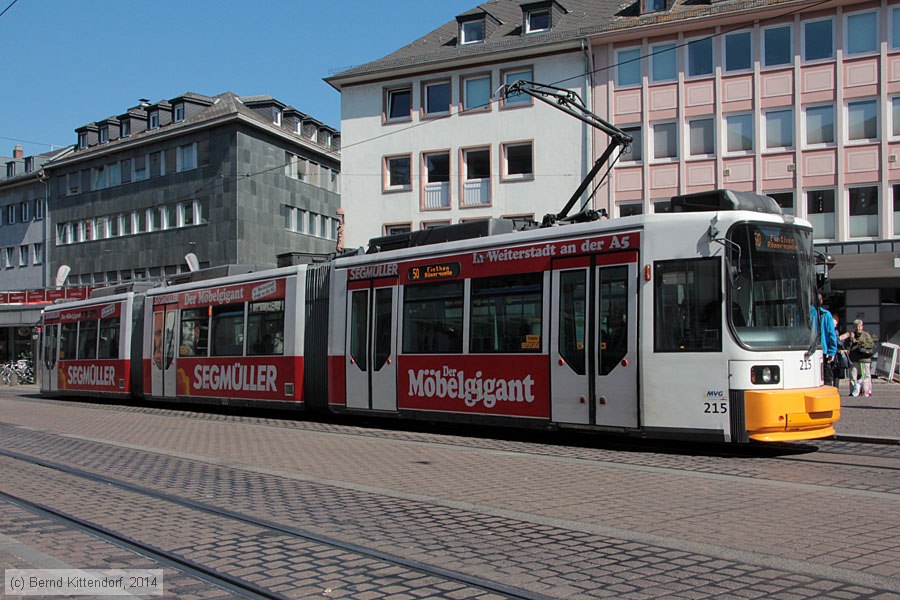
(228, 330)
(109, 338)
(194, 332)
(359, 323)
(265, 328)
(68, 341)
(613, 317)
(433, 318)
(381, 329)
(688, 306)
(49, 345)
(573, 291)
(507, 315)
(87, 340)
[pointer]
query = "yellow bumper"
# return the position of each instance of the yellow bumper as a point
(788, 415)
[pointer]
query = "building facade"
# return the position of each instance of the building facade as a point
(798, 100)
(229, 179)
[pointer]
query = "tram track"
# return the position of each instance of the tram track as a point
(215, 576)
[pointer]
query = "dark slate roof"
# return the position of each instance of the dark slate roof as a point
(221, 105)
(584, 18)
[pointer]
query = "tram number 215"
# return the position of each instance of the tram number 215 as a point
(715, 408)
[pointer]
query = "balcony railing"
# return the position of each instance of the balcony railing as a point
(476, 192)
(437, 195)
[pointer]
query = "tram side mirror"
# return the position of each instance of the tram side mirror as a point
(824, 263)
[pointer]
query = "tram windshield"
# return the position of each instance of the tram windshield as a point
(771, 286)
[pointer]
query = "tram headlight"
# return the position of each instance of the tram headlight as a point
(765, 374)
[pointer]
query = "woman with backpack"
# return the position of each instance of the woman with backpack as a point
(862, 347)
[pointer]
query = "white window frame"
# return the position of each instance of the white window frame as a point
(890, 40)
(276, 116)
(153, 119)
(652, 143)
(505, 175)
(803, 25)
(38, 209)
(438, 113)
(687, 138)
(38, 254)
(754, 142)
(386, 186)
(846, 46)
(805, 129)
(640, 64)
(104, 134)
(793, 194)
(878, 117)
(687, 57)
(10, 214)
(463, 38)
(881, 203)
(765, 129)
(82, 140)
(521, 100)
(530, 13)
(178, 112)
(749, 69)
(125, 128)
(654, 56)
(23, 256)
(627, 162)
(25, 211)
(762, 43)
(388, 93)
(891, 100)
(463, 96)
(837, 207)
(10, 253)
(179, 157)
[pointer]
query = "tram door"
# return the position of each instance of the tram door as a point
(49, 356)
(163, 351)
(594, 342)
(371, 361)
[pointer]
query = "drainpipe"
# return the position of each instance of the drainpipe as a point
(587, 159)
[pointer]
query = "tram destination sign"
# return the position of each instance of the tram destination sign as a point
(434, 272)
(775, 242)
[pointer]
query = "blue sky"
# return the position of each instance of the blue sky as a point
(70, 62)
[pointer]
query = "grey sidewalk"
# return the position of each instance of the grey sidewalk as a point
(877, 416)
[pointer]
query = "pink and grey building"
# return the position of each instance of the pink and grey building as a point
(797, 100)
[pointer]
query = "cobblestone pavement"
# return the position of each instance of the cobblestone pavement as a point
(877, 416)
(566, 522)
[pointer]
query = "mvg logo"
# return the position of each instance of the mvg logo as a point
(715, 394)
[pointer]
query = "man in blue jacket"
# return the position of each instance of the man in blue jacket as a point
(829, 339)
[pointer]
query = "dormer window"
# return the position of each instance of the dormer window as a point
(154, 119)
(126, 128)
(29, 164)
(537, 20)
(82, 140)
(276, 115)
(10, 172)
(654, 5)
(179, 113)
(471, 32)
(104, 134)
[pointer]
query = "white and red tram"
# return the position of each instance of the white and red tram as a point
(693, 325)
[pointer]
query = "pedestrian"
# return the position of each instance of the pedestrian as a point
(829, 339)
(840, 366)
(862, 347)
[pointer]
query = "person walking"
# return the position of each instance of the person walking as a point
(862, 347)
(829, 339)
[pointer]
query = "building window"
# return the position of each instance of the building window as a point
(140, 168)
(537, 20)
(509, 78)
(10, 169)
(38, 254)
(398, 104)
(10, 258)
(703, 137)
(476, 93)
(156, 164)
(436, 98)
(864, 211)
(104, 134)
(29, 164)
(654, 5)
(665, 140)
(25, 211)
(23, 256)
(862, 120)
(895, 116)
(186, 157)
(895, 28)
(154, 119)
(100, 181)
(38, 209)
(820, 213)
(276, 116)
(82, 140)
(739, 133)
(179, 112)
(779, 129)
(630, 209)
(397, 172)
(700, 57)
(738, 51)
(634, 153)
(628, 67)
(397, 228)
(896, 210)
(437, 180)
(818, 39)
(476, 177)
(820, 124)
(125, 128)
(518, 161)
(10, 214)
(785, 200)
(778, 48)
(663, 62)
(662, 206)
(471, 32)
(862, 33)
